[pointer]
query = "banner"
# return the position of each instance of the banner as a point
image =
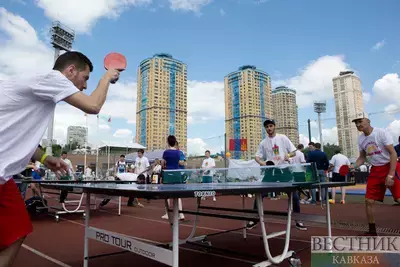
(242, 169)
(238, 144)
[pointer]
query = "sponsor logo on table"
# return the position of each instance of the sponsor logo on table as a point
(204, 193)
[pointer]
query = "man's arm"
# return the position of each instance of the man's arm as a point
(259, 156)
(361, 159)
(39, 153)
(393, 159)
(92, 104)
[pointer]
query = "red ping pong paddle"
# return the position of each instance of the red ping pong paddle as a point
(344, 170)
(115, 61)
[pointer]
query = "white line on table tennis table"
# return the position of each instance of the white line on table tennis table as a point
(37, 252)
(159, 243)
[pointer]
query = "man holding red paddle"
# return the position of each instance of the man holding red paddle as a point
(36, 98)
(377, 144)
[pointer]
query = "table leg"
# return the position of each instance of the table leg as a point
(328, 218)
(245, 222)
(175, 234)
(86, 243)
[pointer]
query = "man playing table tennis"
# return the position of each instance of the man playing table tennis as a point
(36, 98)
(276, 148)
(377, 144)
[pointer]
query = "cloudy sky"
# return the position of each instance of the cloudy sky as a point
(301, 44)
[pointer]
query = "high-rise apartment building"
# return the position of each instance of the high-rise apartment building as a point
(285, 113)
(161, 108)
(348, 101)
(247, 105)
(77, 134)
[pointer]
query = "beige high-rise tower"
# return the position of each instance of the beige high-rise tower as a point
(348, 102)
(247, 105)
(161, 108)
(285, 113)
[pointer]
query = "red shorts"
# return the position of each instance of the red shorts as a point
(376, 187)
(15, 222)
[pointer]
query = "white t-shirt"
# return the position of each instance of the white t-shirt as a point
(68, 162)
(208, 163)
(298, 158)
(26, 106)
(338, 160)
(121, 166)
(374, 146)
(275, 149)
(141, 164)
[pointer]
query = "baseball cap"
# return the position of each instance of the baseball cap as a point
(360, 115)
(269, 121)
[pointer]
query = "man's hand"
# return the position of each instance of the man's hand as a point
(389, 181)
(112, 75)
(56, 165)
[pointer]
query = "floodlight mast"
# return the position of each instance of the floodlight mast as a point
(62, 38)
(320, 107)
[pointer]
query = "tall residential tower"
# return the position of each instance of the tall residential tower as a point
(348, 101)
(247, 105)
(161, 108)
(285, 113)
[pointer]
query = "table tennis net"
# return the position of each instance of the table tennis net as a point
(283, 173)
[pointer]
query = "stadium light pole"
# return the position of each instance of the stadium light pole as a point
(320, 107)
(61, 38)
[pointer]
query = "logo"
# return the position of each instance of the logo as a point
(354, 250)
(204, 193)
(275, 148)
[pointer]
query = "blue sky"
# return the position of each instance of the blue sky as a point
(283, 38)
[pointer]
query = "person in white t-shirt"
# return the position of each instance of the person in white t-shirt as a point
(64, 156)
(337, 161)
(276, 148)
(207, 166)
(142, 164)
(36, 98)
(377, 145)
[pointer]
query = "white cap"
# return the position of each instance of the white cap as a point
(360, 115)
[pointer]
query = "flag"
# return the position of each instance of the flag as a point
(109, 119)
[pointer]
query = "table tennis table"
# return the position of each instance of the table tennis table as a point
(224, 184)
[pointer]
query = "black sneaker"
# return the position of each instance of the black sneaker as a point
(250, 225)
(104, 202)
(300, 226)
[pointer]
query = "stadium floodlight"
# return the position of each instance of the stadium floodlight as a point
(320, 107)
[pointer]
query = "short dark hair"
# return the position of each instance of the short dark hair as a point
(317, 145)
(73, 57)
(208, 151)
(64, 153)
(122, 156)
(338, 150)
(300, 146)
(141, 151)
(311, 144)
(171, 140)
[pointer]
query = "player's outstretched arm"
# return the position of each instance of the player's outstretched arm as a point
(361, 159)
(93, 103)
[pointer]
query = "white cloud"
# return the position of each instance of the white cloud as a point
(394, 129)
(387, 88)
(366, 97)
(205, 101)
(392, 109)
(222, 12)
(379, 45)
(314, 81)
(188, 5)
(86, 13)
(329, 135)
(197, 146)
(123, 133)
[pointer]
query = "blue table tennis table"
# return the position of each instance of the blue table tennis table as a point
(191, 188)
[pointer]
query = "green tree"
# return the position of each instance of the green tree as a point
(56, 150)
